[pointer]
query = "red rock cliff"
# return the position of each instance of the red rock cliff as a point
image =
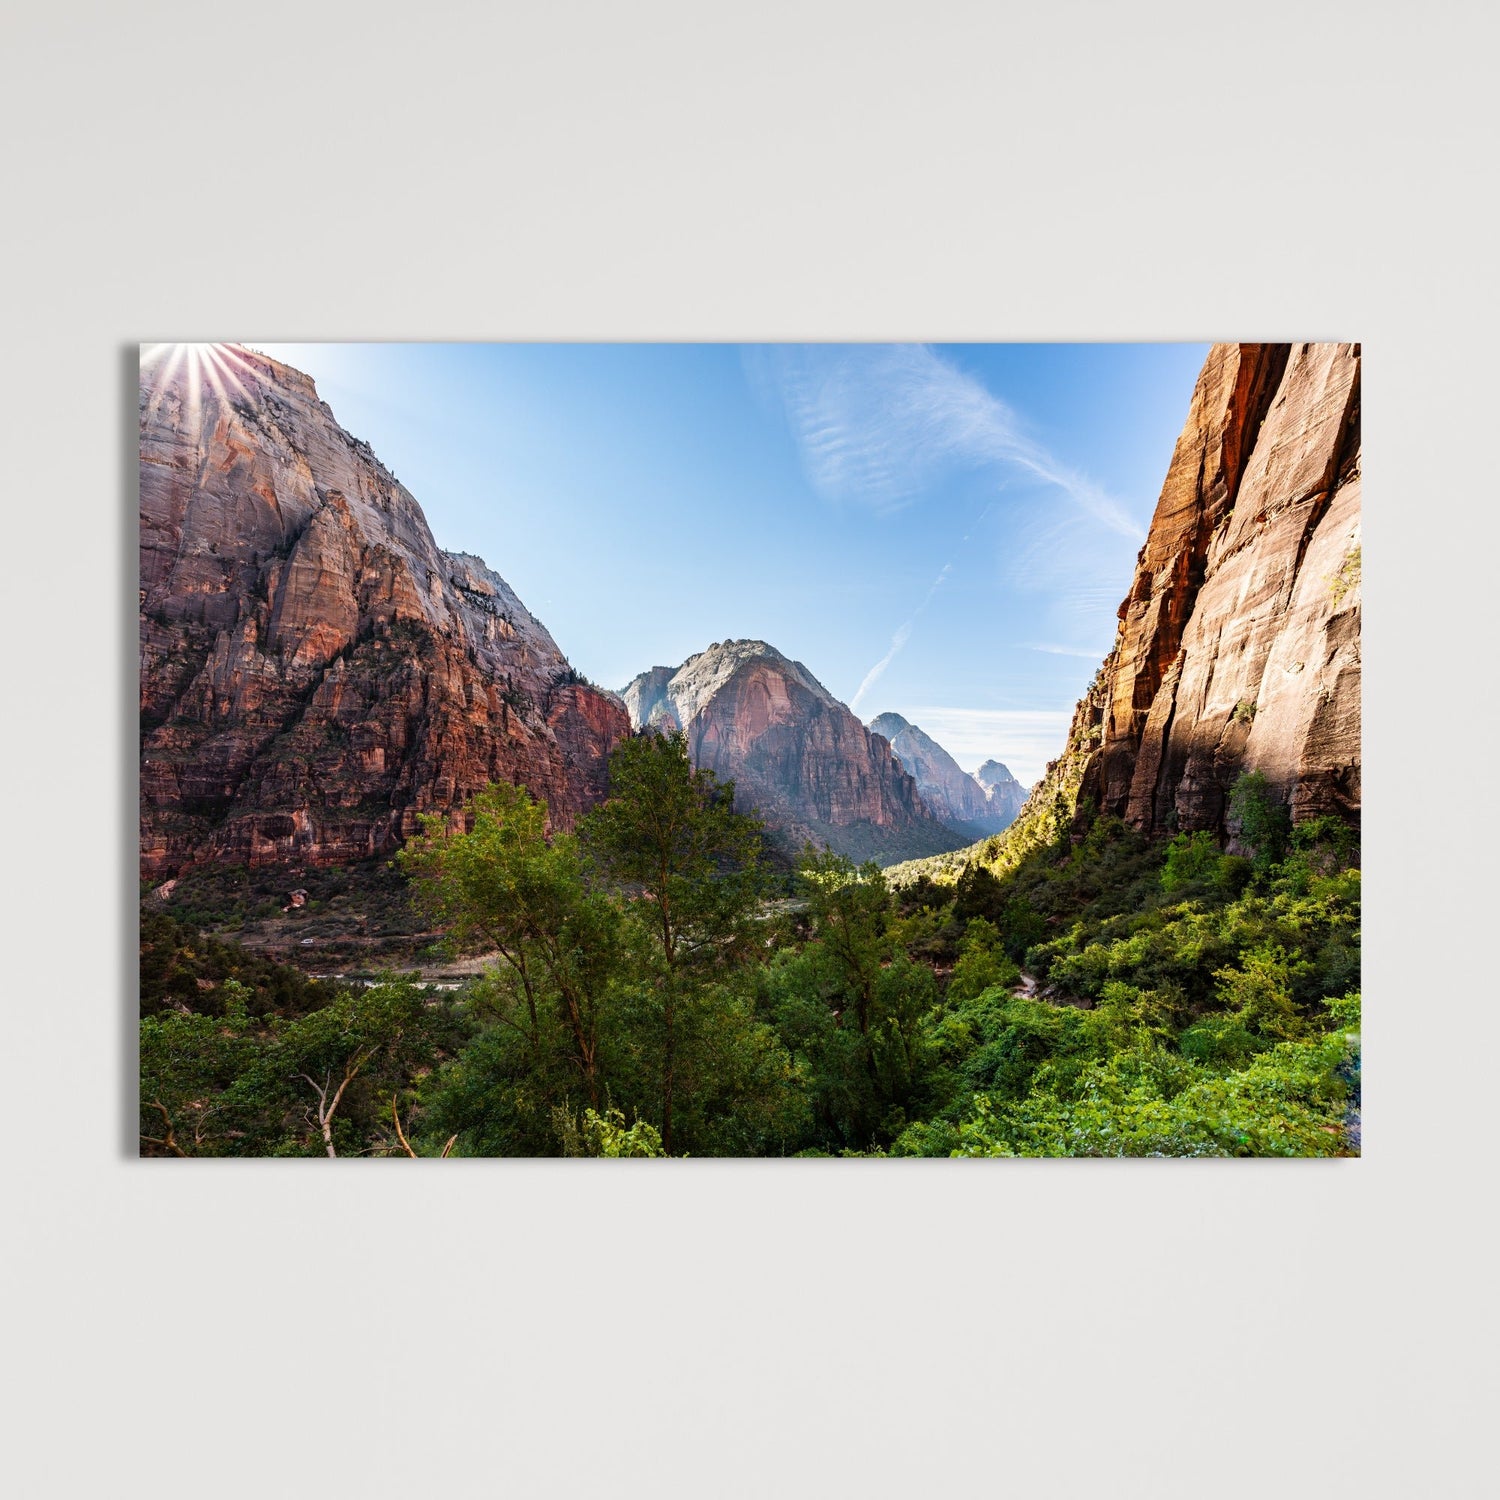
(315, 671)
(1239, 642)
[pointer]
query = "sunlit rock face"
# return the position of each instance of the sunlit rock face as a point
(959, 800)
(315, 671)
(795, 753)
(1239, 642)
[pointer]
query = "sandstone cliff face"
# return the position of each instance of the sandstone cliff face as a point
(315, 671)
(1239, 642)
(1006, 795)
(1238, 647)
(795, 753)
(958, 799)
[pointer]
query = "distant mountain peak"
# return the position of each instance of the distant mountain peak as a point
(794, 751)
(705, 674)
(959, 800)
(888, 724)
(992, 773)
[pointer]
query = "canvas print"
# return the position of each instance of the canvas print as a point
(841, 751)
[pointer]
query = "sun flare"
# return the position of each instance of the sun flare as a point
(195, 368)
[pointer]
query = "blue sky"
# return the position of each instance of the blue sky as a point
(945, 531)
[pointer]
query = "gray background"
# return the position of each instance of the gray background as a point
(651, 170)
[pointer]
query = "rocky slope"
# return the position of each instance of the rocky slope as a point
(958, 799)
(315, 671)
(795, 753)
(1006, 795)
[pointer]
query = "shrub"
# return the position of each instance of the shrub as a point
(1191, 857)
(1261, 818)
(982, 963)
(1259, 991)
(1233, 873)
(1221, 1042)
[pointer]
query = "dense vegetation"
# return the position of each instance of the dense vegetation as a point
(651, 996)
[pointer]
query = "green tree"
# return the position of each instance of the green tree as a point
(328, 1076)
(188, 1062)
(1191, 858)
(982, 963)
(852, 1004)
(503, 884)
(606, 1135)
(669, 836)
(848, 905)
(1259, 991)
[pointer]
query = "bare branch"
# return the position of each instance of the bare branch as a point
(360, 1059)
(401, 1134)
(170, 1140)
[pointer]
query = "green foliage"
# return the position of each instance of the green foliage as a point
(186, 970)
(607, 1135)
(1346, 579)
(498, 1095)
(852, 1006)
(189, 1062)
(1147, 1101)
(504, 885)
(1191, 859)
(670, 832)
(1258, 991)
(1233, 873)
(1221, 1041)
(1220, 1020)
(1264, 825)
(982, 963)
(314, 1084)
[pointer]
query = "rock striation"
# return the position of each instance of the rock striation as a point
(795, 753)
(960, 800)
(1239, 642)
(315, 671)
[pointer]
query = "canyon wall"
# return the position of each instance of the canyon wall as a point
(1239, 641)
(315, 671)
(1238, 645)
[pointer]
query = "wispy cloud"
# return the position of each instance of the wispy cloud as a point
(878, 424)
(1023, 739)
(1088, 652)
(902, 635)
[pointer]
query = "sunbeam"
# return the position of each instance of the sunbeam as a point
(195, 369)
